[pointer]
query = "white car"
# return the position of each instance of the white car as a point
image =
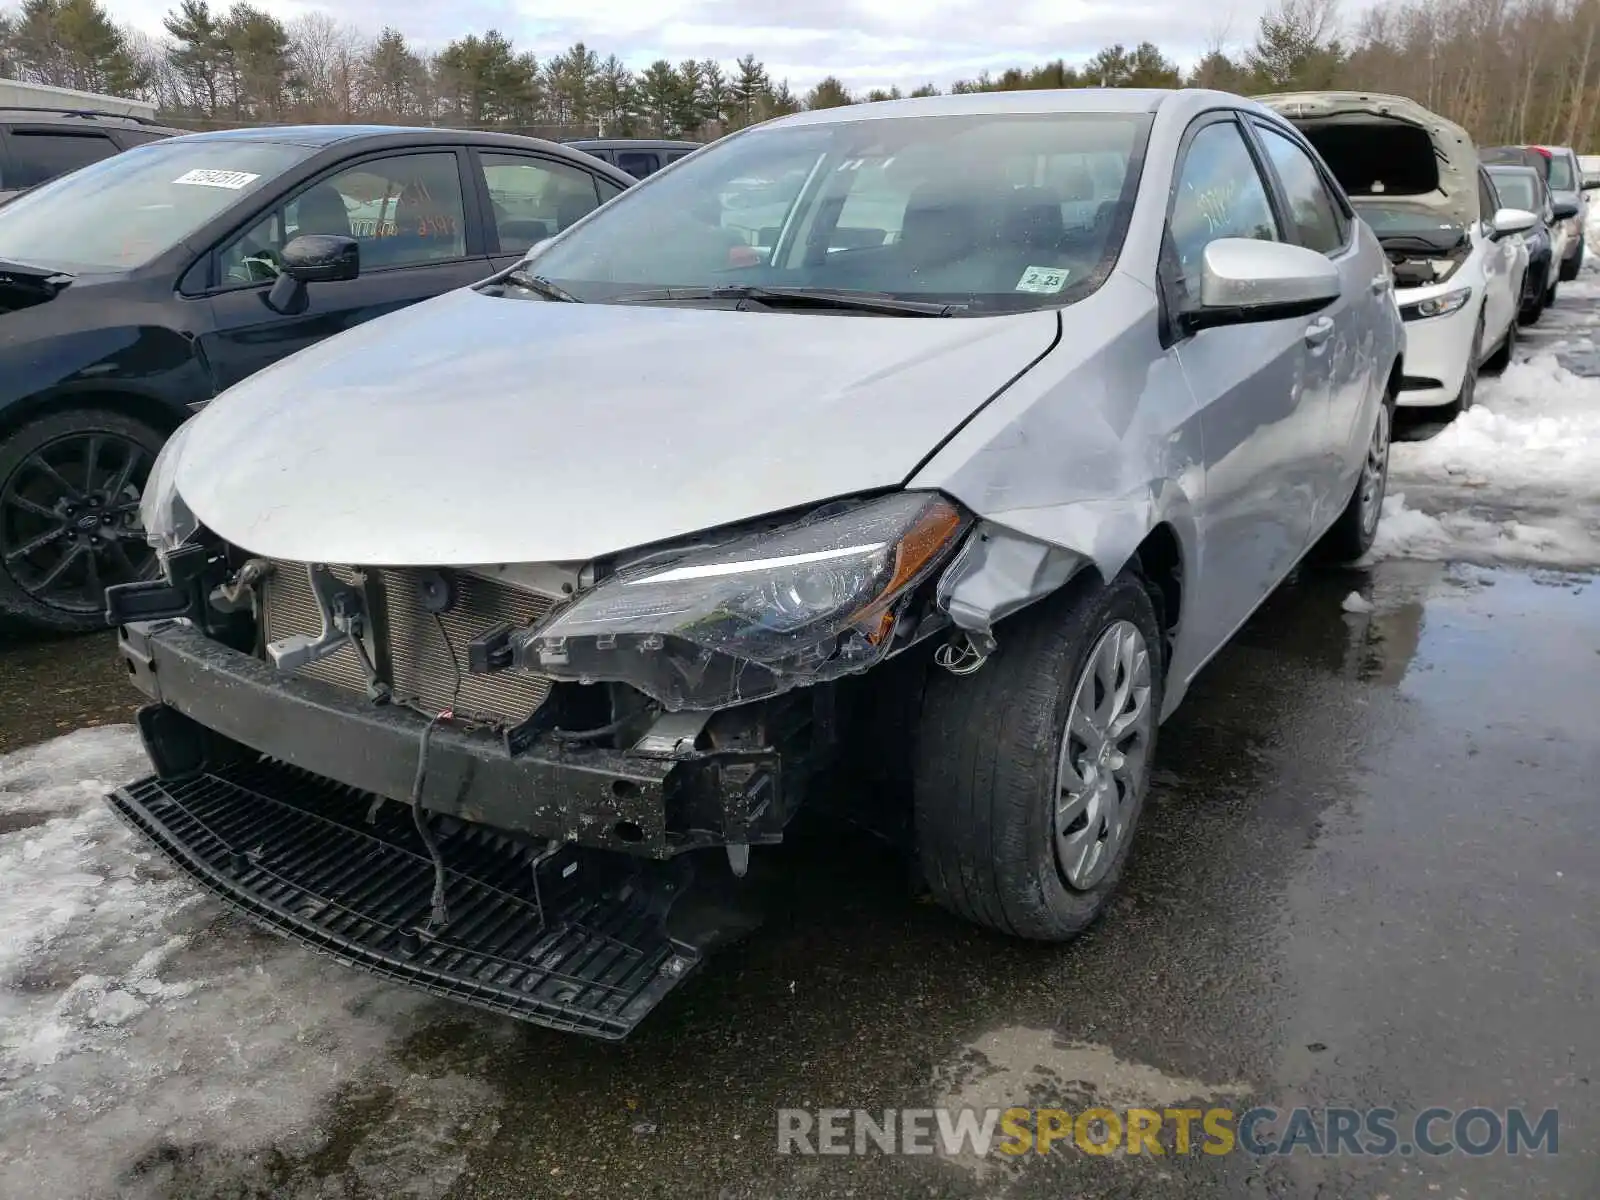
(1457, 267)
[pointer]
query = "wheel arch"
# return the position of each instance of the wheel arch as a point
(151, 410)
(1008, 565)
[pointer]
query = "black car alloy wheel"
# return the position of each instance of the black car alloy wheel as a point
(69, 521)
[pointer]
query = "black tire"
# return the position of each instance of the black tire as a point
(20, 599)
(988, 751)
(1501, 358)
(1571, 266)
(1533, 305)
(1469, 382)
(1353, 533)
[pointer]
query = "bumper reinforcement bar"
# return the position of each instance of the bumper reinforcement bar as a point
(567, 938)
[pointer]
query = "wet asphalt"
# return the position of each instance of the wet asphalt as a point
(1367, 877)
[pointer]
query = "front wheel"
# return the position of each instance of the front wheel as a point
(1501, 358)
(1030, 775)
(1571, 266)
(69, 515)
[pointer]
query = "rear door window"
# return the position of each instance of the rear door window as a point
(39, 155)
(1561, 176)
(535, 198)
(1316, 215)
(639, 163)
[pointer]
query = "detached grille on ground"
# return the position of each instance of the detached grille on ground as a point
(423, 655)
(575, 941)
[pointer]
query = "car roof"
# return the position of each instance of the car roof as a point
(1512, 169)
(962, 104)
(320, 137)
(599, 143)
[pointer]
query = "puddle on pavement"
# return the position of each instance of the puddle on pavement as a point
(856, 995)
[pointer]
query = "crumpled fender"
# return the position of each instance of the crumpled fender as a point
(1076, 463)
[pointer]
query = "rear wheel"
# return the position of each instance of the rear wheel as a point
(70, 485)
(1031, 774)
(1352, 534)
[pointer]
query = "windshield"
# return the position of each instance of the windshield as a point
(997, 213)
(1404, 219)
(1559, 176)
(1516, 190)
(123, 211)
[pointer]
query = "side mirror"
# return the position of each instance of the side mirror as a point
(1244, 280)
(1565, 211)
(321, 258)
(1514, 220)
(311, 258)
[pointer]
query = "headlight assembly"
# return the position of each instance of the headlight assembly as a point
(755, 616)
(1436, 306)
(168, 523)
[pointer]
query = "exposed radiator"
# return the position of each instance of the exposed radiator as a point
(423, 656)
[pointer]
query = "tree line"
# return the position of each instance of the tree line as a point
(1509, 70)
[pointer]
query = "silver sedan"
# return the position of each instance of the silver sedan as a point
(955, 458)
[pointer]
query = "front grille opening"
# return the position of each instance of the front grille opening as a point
(422, 655)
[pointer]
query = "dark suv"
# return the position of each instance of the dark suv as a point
(37, 144)
(637, 156)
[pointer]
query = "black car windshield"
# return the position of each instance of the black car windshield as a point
(1559, 176)
(123, 211)
(1516, 190)
(994, 212)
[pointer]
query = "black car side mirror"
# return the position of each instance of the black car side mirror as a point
(312, 258)
(1565, 211)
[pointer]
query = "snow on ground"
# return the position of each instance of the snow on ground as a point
(1517, 478)
(148, 1042)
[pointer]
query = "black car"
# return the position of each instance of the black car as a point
(1558, 167)
(1523, 187)
(134, 290)
(40, 144)
(639, 157)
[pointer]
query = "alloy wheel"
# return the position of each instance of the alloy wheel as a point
(1375, 472)
(69, 520)
(1104, 755)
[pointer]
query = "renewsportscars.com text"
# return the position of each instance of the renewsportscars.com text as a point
(1357, 1132)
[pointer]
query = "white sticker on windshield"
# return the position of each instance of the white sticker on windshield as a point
(232, 180)
(1042, 279)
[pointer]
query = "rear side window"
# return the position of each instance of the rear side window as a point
(674, 155)
(38, 156)
(638, 163)
(1312, 207)
(1561, 176)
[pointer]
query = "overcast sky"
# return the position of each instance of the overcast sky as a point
(867, 43)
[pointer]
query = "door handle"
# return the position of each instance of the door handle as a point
(1319, 331)
(1380, 284)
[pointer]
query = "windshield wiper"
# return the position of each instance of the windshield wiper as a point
(798, 297)
(541, 286)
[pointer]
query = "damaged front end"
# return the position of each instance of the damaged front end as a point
(562, 735)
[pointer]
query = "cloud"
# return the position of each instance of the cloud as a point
(867, 43)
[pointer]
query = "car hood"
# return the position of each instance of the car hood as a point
(474, 429)
(1377, 118)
